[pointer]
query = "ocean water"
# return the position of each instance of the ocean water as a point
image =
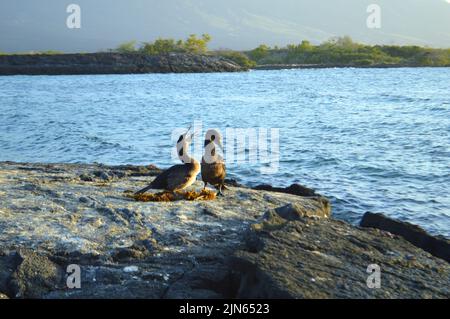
(370, 139)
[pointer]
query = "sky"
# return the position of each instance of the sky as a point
(30, 25)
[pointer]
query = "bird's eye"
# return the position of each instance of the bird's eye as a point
(213, 137)
(181, 152)
(180, 139)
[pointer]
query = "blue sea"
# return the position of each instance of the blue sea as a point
(369, 139)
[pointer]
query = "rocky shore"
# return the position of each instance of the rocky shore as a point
(330, 66)
(252, 243)
(113, 63)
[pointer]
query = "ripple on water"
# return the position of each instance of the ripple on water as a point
(382, 147)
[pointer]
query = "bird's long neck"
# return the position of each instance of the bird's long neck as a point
(210, 156)
(183, 155)
(210, 148)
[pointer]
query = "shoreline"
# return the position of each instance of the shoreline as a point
(59, 214)
(270, 67)
(293, 189)
(134, 63)
(113, 63)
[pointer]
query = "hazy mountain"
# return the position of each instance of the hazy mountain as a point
(239, 24)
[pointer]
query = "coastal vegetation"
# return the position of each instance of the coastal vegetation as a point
(239, 58)
(193, 44)
(47, 52)
(337, 51)
(344, 51)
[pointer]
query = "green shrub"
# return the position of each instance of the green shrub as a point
(197, 45)
(363, 62)
(162, 46)
(260, 52)
(192, 44)
(344, 51)
(127, 47)
(239, 58)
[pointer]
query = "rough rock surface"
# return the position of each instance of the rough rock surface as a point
(325, 258)
(438, 246)
(55, 215)
(27, 274)
(113, 63)
(294, 189)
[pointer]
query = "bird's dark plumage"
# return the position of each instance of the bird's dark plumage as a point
(214, 171)
(180, 176)
(175, 178)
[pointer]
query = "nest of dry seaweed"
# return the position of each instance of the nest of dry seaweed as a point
(205, 194)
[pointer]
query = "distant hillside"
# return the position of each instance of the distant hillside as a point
(236, 24)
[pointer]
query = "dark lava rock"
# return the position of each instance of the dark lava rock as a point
(139, 250)
(294, 189)
(113, 63)
(124, 254)
(132, 170)
(325, 258)
(436, 245)
(86, 178)
(233, 182)
(25, 274)
(208, 280)
(107, 173)
(192, 249)
(84, 200)
(8, 263)
(103, 175)
(108, 282)
(295, 211)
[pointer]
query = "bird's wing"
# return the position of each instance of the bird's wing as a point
(178, 176)
(214, 173)
(160, 182)
(171, 179)
(221, 170)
